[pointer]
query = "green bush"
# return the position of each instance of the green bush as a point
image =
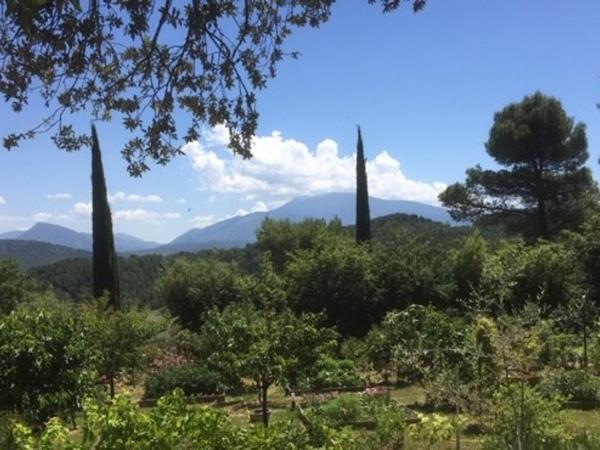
(46, 360)
(192, 379)
(576, 385)
(347, 408)
(330, 372)
(524, 419)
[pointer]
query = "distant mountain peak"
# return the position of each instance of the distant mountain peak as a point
(59, 235)
(325, 206)
(241, 230)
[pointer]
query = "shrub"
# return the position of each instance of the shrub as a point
(192, 379)
(576, 385)
(331, 372)
(46, 360)
(433, 429)
(190, 288)
(524, 419)
(347, 408)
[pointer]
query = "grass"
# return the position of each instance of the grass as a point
(409, 395)
(582, 421)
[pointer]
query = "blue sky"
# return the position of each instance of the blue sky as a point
(423, 87)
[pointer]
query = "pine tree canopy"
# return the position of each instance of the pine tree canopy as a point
(543, 186)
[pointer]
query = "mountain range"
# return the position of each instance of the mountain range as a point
(236, 231)
(59, 235)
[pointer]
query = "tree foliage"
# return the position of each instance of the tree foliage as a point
(281, 238)
(339, 278)
(363, 217)
(118, 339)
(190, 288)
(105, 273)
(46, 360)
(264, 345)
(15, 286)
(544, 187)
(525, 420)
(142, 61)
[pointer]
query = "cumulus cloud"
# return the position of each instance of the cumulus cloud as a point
(143, 215)
(218, 135)
(287, 167)
(82, 210)
(42, 216)
(2, 200)
(204, 221)
(259, 206)
(121, 196)
(58, 196)
(181, 201)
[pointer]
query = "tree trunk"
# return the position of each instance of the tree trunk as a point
(457, 401)
(265, 409)
(585, 344)
(542, 218)
(111, 383)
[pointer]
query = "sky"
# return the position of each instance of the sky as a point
(423, 87)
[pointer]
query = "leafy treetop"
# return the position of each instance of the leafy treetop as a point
(142, 60)
(544, 186)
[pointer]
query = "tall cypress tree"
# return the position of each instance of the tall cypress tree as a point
(106, 279)
(363, 217)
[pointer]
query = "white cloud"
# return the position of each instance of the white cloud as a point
(286, 167)
(82, 210)
(204, 221)
(121, 196)
(218, 135)
(136, 215)
(143, 215)
(257, 207)
(42, 216)
(59, 196)
(181, 201)
(2, 200)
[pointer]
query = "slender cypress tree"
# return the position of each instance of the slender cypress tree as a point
(363, 217)
(106, 279)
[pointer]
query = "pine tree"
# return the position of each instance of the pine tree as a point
(106, 278)
(363, 217)
(542, 186)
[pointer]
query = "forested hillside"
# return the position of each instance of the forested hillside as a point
(34, 253)
(72, 277)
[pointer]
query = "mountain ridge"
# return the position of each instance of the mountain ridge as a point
(240, 230)
(326, 206)
(63, 236)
